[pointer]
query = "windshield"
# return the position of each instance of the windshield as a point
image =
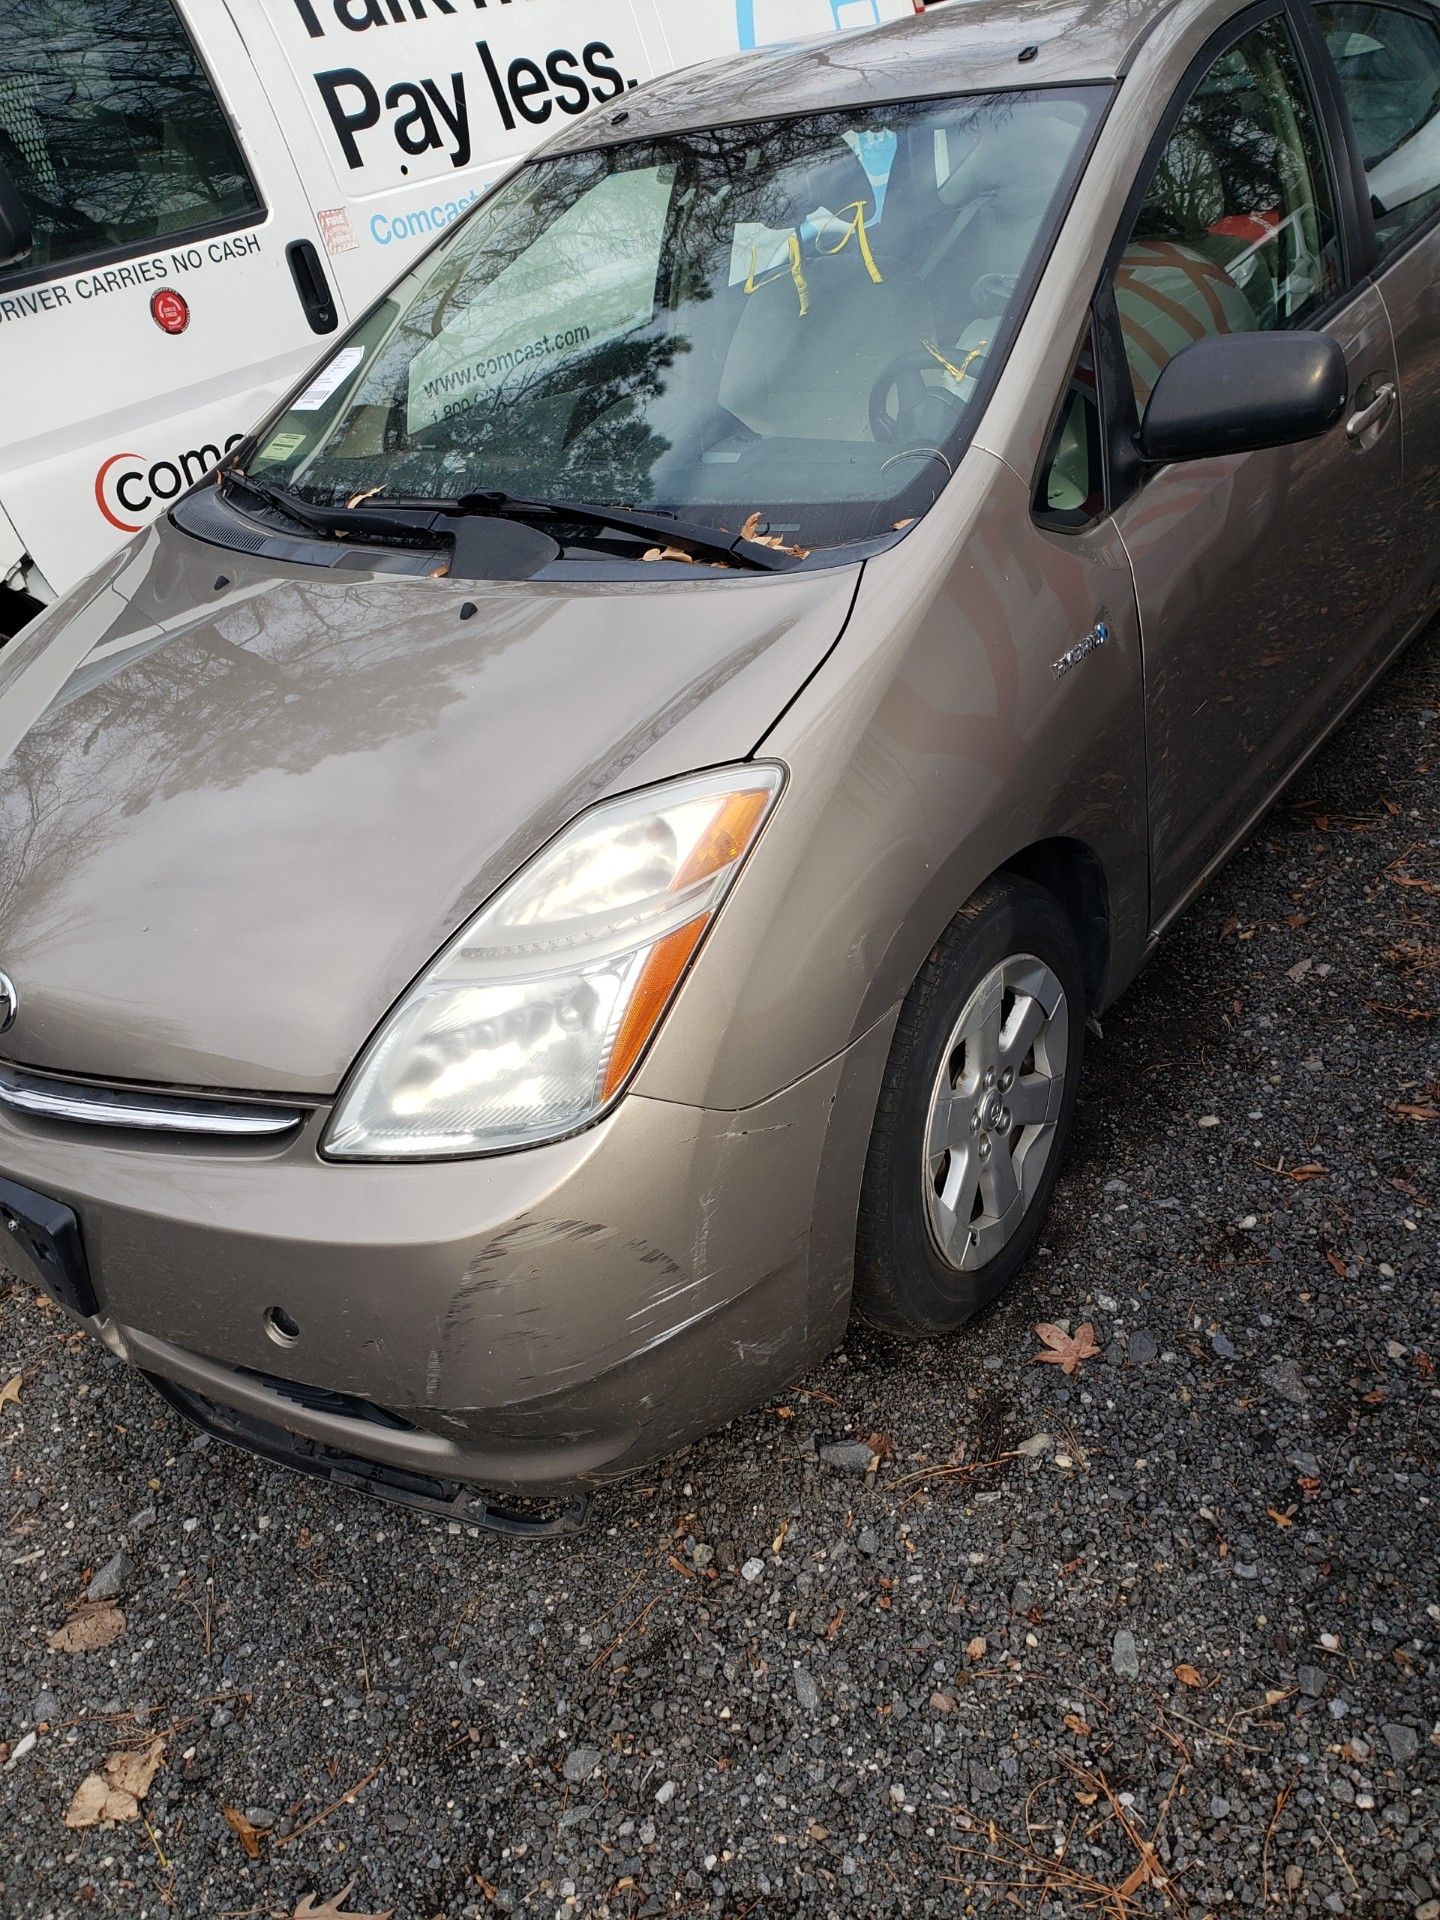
(791, 319)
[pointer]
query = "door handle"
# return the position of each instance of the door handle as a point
(312, 286)
(1363, 418)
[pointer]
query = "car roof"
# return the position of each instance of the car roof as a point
(969, 46)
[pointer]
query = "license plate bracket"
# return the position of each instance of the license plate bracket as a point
(40, 1239)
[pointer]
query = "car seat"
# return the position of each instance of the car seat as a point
(801, 365)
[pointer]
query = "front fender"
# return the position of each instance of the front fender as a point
(936, 742)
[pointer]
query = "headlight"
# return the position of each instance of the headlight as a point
(535, 1016)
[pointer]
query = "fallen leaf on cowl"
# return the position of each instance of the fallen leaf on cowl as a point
(113, 1795)
(670, 553)
(332, 1910)
(1066, 1350)
(751, 532)
(88, 1629)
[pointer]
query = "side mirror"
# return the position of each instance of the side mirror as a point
(1239, 392)
(17, 238)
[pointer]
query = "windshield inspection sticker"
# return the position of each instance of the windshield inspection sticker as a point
(330, 376)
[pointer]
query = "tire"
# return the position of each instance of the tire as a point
(930, 1256)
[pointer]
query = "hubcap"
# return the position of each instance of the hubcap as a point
(990, 1130)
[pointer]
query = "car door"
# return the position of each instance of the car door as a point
(1264, 580)
(1387, 65)
(163, 305)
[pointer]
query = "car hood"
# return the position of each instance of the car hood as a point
(238, 815)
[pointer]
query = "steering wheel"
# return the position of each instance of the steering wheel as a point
(905, 409)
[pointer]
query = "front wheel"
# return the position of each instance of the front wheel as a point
(975, 1112)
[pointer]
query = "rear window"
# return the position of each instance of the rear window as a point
(110, 130)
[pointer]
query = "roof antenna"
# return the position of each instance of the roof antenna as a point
(1029, 53)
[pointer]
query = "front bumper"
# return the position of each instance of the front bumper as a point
(523, 1322)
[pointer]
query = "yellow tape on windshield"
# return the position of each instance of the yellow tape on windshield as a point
(855, 231)
(796, 271)
(956, 373)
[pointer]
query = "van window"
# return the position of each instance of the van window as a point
(796, 319)
(111, 131)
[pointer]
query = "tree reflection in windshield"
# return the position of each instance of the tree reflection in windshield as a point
(795, 317)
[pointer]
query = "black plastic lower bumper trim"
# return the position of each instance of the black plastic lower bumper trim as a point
(44, 1237)
(426, 1493)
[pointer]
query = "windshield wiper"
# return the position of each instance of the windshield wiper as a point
(422, 517)
(692, 535)
(332, 523)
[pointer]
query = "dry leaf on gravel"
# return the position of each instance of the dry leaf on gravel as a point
(88, 1629)
(10, 1392)
(1187, 1675)
(248, 1836)
(114, 1794)
(1066, 1350)
(331, 1909)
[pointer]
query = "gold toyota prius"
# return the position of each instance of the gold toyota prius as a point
(587, 851)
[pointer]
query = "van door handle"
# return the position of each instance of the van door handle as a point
(1361, 421)
(313, 288)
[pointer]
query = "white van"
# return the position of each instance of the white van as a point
(194, 193)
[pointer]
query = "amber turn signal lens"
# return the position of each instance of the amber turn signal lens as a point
(658, 980)
(724, 840)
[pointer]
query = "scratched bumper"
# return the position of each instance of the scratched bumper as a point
(522, 1322)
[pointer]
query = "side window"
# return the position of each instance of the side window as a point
(1238, 231)
(110, 129)
(1389, 66)
(1071, 489)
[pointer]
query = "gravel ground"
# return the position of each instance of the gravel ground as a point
(1167, 1625)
